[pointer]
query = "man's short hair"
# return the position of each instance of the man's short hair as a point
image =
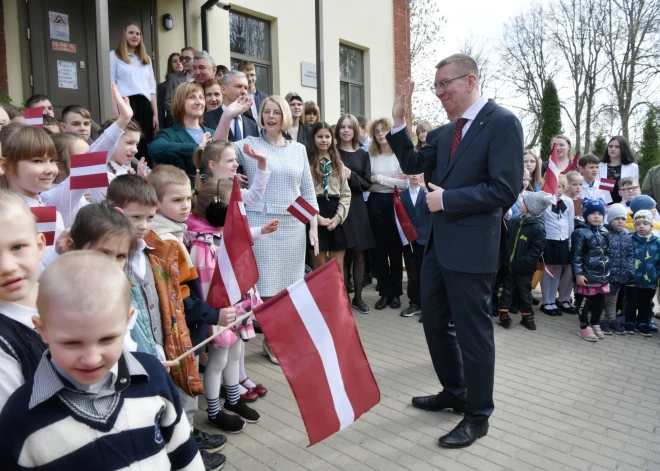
(464, 63)
(163, 175)
(189, 48)
(75, 109)
(230, 75)
(127, 189)
(206, 56)
(588, 159)
(221, 69)
(245, 65)
(34, 99)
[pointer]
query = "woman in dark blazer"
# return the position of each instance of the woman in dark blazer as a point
(174, 65)
(176, 145)
(298, 131)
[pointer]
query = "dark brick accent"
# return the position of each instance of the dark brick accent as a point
(401, 9)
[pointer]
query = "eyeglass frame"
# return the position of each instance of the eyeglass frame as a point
(272, 112)
(186, 58)
(629, 189)
(445, 83)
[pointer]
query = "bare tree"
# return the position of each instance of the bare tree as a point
(631, 42)
(575, 27)
(527, 63)
(479, 50)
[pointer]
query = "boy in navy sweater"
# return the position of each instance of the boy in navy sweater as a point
(90, 404)
(414, 200)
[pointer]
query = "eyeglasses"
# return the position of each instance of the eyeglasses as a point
(629, 189)
(271, 112)
(444, 83)
(186, 59)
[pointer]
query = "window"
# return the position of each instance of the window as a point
(351, 82)
(249, 39)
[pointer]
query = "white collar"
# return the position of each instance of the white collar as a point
(472, 112)
(18, 312)
(32, 202)
(142, 245)
(92, 388)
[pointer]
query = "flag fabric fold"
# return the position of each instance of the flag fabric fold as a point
(89, 171)
(46, 221)
(236, 271)
(302, 210)
(404, 225)
(551, 175)
(573, 165)
(311, 330)
(606, 184)
(35, 117)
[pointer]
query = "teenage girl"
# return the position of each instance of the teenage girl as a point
(421, 131)
(533, 165)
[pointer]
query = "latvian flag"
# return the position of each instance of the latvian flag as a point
(404, 225)
(573, 165)
(236, 271)
(606, 184)
(35, 117)
(310, 329)
(89, 170)
(551, 175)
(302, 210)
(46, 220)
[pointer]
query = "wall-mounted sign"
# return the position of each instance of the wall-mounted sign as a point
(308, 74)
(64, 47)
(59, 25)
(67, 75)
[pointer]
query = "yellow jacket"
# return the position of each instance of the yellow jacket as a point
(630, 225)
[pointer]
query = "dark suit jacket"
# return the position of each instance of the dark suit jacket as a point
(160, 99)
(304, 132)
(259, 97)
(250, 128)
(482, 177)
(176, 147)
(173, 81)
(418, 213)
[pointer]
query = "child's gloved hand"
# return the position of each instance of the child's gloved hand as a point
(227, 316)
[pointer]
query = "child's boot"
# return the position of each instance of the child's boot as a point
(528, 321)
(505, 320)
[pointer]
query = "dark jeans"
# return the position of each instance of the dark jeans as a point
(413, 256)
(584, 303)
(638, 305)
(522, 284)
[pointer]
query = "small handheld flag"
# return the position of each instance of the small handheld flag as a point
(89, 170)
(46, 221)
(404, 225)
(551, 175)
(302, 210)
(35, 117)
(573, 165)
(606, 184)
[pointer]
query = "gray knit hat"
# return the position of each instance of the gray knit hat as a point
(644, 215)
(537, 202)
(616, 210)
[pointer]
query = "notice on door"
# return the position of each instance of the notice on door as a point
(67, 75)
(59, 26)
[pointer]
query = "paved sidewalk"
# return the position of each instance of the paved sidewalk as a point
(561, 403)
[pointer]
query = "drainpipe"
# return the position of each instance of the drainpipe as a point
(205, 23)
(186, 22)
(320, 58)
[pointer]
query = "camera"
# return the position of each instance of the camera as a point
(224, 6)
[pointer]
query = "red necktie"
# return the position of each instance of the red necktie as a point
(458, 135)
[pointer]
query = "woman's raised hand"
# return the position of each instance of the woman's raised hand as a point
(240, 106)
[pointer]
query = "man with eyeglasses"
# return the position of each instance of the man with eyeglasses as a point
(175, 79)
(476, 165)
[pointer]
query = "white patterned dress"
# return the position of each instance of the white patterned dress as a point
(281, 255)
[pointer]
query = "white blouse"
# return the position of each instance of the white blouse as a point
(560, 226)
(135, 78)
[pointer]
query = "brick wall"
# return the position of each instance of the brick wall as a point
(402, 45)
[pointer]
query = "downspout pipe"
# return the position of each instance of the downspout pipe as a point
(205, 23)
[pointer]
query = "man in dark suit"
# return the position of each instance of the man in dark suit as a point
(233, 85)
(476, 169)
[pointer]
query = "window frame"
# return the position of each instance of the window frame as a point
(352, 83)
(257, 61)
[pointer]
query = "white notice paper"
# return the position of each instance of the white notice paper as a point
(67, 75)
(59, 26)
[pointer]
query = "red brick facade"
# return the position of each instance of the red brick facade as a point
(3, 51)
(401, 9)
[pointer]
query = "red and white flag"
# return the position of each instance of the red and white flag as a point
(310, 328)
(573, 165)
(551, 175)
(35, 117)
(606, 184)
(404, 225)
(302, 210)
(236, 271)
(46, 221)
(89, 170)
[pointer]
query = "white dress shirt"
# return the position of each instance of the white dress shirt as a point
(414, 193)
(591, 191)
(135, 78)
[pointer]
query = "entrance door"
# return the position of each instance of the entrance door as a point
(63, 51)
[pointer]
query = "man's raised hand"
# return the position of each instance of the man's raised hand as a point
(401, 101)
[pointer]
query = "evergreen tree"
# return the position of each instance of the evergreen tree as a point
(649, 152)
(598, 149)
(550, 118)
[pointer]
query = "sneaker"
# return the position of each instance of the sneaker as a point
(606, 328)
(629, 329)
(227, 422)
(248, 414)
(208, 442)
(212, 461)
(361, 306)
(411, 311)
(643, 329)
(588, 334)
(597, 331)
(505, 320)
(652, 326)
(616, 328)
(528, 322)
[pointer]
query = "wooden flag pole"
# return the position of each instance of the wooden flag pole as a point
(221, 331)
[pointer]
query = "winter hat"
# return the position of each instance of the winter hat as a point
(616, 210)
(640, 202)
(537, 202)
(644, 215)
(592, 205)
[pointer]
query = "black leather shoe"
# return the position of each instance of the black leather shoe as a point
(440, 401)
(382, 303)
(395, 302)
(465, 434)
